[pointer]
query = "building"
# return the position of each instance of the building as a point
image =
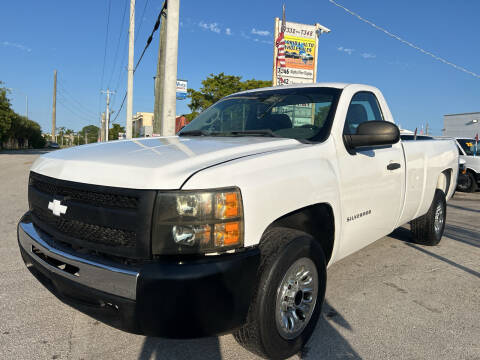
(465, 125)
(180, 122)
(142, 124)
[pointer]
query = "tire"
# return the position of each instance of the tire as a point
(428, 229)
(464, 184)
(472, 182)
(284, 249)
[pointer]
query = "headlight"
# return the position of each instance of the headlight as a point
(193, 222)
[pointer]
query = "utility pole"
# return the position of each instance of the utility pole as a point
(107, 112)
(168, 90)
(86, 139)
(159, 78)
(54, 109)
(131, 38)
(102, 133)
(26, 106)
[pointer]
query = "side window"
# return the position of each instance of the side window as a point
(363, 107)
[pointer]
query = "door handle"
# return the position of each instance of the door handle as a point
(393, 166)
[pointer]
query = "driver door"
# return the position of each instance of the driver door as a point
(372, 191)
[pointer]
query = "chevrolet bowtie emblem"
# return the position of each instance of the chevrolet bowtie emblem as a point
(57, 207)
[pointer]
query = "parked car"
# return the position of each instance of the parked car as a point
(52, 145)
(231, 225)
(469, 151)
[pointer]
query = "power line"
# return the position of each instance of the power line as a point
(121, 107)
(141, 21)
(149, 40)
(75, 105)
(106, 42)
(436, 57)
(78, 104)
(104, 54)
(122, 23)
(121, 74)
(61, 101)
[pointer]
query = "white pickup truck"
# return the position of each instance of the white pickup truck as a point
(469, 151)
(230, 226)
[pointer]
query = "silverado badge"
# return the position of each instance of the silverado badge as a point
(57, 207)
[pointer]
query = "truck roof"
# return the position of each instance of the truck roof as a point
(301, 86)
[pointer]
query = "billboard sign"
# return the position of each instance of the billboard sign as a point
(301, 47)
(182, 89)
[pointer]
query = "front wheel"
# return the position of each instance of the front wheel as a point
(289, 295)
(471, 183)
(428, 229)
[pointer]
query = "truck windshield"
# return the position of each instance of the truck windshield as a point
(303, 114)
(469, 146)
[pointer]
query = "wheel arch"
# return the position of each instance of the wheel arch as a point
(444, 181)
(317, 220)
(475, 174)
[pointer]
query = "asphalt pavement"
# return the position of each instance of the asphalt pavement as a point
(391, 300)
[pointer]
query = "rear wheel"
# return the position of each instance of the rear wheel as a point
(428, 229)
(289, 296)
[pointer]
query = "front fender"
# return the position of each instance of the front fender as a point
(277, 183)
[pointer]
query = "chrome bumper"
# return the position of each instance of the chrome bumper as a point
(106, 277)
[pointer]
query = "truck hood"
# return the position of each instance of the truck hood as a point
(150, 163)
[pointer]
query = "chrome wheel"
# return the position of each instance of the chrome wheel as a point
(439, 219)
(296, 298)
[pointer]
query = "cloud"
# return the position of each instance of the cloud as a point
(18, 46)
(228, 31)
(245, 35)
(368, 56)
(260, 32)
(346, 50)
(212, 27)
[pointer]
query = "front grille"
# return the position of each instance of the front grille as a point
(92, 197)
(92, 233)
(108, 220)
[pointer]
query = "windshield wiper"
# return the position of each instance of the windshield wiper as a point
(266, 132)
(194, 133)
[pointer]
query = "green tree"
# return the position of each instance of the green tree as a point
(215, 87)
(113, 132)
(91, 131)
(61, 135)
(6, 113)
(22, 131)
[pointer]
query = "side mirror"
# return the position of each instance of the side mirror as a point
(373, 133)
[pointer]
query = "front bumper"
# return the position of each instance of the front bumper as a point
(174, 299)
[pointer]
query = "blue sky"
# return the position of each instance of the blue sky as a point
(235, 37)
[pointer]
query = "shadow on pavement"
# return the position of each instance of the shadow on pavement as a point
(326, 342)
(403, 234)
(463, 208)
(25, 152)
(467, 236)
(159, 348)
